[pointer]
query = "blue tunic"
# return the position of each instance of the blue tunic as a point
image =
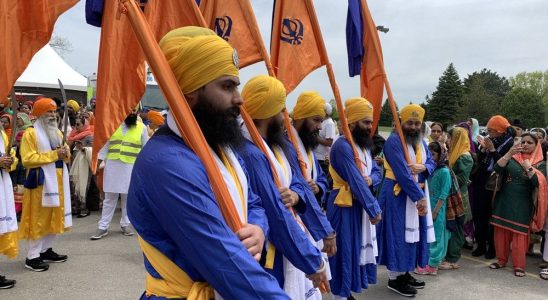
(396, 254)
(285, 234)
(346, 271)
(172, 207)
(313, 218)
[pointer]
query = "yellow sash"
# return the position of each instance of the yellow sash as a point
(232, 172)
(344, 197)
(175, 283)
(390, 174)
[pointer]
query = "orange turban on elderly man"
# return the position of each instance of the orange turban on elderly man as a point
(42, 106)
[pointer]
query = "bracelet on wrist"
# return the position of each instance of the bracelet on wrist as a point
(322, 267)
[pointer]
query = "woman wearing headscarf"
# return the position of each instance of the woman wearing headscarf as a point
(469, 225)
(520, 205)
(439, 186)
(461, 162)
(81, 141)
(492, 148)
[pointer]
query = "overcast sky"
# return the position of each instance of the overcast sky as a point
(506, 36)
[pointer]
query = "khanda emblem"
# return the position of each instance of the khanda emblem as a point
(223, 27)
(292, 31)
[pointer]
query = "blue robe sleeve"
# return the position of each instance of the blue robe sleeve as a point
(376, 176)
(255, 212)
(285, 234)
(181, 206)
(322, 183)
(393, 153)
(313, 218)
(342, 160)
(430, 164)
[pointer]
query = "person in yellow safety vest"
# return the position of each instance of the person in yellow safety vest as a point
(117, 157)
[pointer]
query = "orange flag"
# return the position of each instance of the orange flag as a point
(372, 73)
(163, 16)
(234, 21)
(294, 47)
(120, 74)
(25, 27)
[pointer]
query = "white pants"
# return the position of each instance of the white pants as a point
(109, 206)
(335, 297)
(35, 247)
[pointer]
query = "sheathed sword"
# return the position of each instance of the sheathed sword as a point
(65, 114)
(15, 109)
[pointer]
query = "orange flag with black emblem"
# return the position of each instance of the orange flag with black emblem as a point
(234, 21)
(25, 27)
(294, 48)
(164, 16)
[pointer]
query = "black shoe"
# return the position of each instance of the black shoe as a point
(350, 298)
(412, 281)
(478, 252)
(51, 256)
(400, 286)
(6, 283)
(490, 254)
(83, 214)
(36, 265)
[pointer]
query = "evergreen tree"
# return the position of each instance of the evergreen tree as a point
(386, 115)
(526, 105)
(445, 101)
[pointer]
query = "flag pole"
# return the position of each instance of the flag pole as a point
(331, 75)
(189, 128)
(366, 15)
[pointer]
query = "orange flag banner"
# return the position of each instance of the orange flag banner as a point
(372, 73)
(234, 21)
(294, 46)
(163, 16)
(25, 27)
(120, 75)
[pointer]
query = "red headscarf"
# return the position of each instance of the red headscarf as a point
(540, 196)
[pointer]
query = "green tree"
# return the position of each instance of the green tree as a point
(386, 115)
(335, 111)
(526, 105)
(447, 97)
(536, 81)
(492, 82)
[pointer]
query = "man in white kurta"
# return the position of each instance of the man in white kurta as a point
(118, 157)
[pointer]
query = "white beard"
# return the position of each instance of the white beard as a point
(51, 131)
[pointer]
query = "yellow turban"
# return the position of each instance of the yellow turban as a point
(357, 109)
(74, 105)
(264, 97)
(309, 104)
(198, 56)
(412, 111)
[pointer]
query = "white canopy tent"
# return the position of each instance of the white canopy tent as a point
(46, 67)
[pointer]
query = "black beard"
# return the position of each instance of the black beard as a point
(309, 138)
(362, 137)
(130, 120)
(412, 137)
(275, 135)
(220, 128)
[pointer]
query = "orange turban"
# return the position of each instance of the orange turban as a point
(155, 118)
(42, 106)
(498, 123)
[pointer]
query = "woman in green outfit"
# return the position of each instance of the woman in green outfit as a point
(439, 185)
(461, 162)
(523, 171)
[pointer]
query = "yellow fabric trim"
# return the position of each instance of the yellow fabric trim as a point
(9, 244)
(279, 158)
(175, 283)
(232, 172)
(390, 174)
(344, 197)
(270, 254)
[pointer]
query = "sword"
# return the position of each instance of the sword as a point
(15, 109)
(65, 114)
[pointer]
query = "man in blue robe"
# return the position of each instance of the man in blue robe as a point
(264, 99)
(190, 251)
(352, 208)
(404, 231)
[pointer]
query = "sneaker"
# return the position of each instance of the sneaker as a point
(6, 283)
(428, 270)
(413, 282)
(126, 231)
(36, 265)
(51, 256)
(400, 286)
(420, 271)
(99, 234)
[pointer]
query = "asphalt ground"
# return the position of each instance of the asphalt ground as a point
(112, 268)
